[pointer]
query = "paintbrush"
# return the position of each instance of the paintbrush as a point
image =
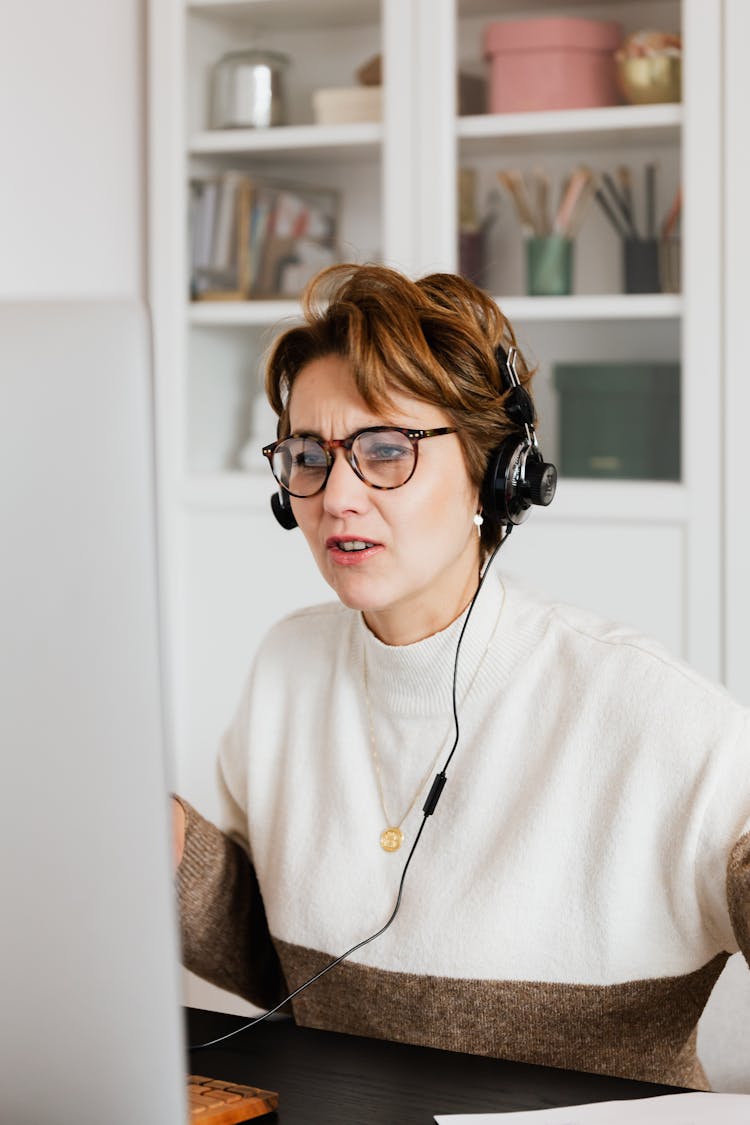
(581, 207)
(514, 184)
(625, 181)
(620, 204)
(576, 184)
(603, 202)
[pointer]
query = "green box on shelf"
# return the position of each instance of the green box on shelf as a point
(619, 420)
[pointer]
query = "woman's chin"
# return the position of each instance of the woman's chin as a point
(355, 593)
(357, 600)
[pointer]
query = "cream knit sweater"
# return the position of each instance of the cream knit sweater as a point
(577, 891)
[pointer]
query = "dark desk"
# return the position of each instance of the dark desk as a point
(328, 1079)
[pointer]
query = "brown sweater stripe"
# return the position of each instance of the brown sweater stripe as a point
(225, 936)
(738, 891)
(640, 1029)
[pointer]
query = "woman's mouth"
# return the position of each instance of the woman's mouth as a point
(350, 550)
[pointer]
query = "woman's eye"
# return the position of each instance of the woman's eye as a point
(309, 460)
(386, 452)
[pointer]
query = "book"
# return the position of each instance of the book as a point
(256, 238)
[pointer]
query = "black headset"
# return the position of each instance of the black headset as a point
(517, 475)
(282, 508)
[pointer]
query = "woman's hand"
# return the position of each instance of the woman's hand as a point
(178, 831)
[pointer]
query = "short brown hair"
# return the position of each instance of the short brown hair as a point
(433, 339)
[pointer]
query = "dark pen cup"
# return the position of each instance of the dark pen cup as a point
(641, 265)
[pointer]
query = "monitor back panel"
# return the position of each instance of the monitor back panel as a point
(89, 982)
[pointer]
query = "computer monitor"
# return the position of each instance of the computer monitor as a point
(90, 1026)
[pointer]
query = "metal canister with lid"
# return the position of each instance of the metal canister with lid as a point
(247, 90)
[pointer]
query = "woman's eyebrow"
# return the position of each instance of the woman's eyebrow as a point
(301, 431)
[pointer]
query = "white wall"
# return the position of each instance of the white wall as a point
(72, 199)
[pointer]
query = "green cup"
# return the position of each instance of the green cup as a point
(549, 266)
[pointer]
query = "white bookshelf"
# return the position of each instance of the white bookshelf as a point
(611, 126)
(278, 15)
(397, 181)
(583, 308)
(576, 308)
(242, 313)
(653, 547)
(677, 551)
(326, 142)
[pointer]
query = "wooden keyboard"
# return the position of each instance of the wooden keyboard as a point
(214, 1102)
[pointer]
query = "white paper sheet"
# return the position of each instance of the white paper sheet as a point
(671, 1109)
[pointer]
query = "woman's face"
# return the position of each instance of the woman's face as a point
(423, 565)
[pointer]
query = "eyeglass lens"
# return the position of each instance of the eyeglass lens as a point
(383, 458)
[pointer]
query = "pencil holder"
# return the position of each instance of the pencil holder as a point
(471, 256)
(549, 266)
(641, 265)
(670, 264)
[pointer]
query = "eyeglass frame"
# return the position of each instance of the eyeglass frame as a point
(330, 445)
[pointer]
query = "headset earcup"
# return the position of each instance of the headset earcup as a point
(500, 497)
(517, 475)
(494, 508)
(282, 509)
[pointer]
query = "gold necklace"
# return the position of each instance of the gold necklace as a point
(391, 838)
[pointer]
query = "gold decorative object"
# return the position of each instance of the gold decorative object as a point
(649, 67)
(650, 79)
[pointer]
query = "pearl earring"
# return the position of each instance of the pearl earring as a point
(478, 521)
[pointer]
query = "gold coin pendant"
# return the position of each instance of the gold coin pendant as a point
(391, 840)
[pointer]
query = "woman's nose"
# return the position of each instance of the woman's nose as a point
(344, 491)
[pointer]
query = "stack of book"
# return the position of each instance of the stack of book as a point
(253, 238)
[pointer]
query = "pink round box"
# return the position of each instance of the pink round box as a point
(561, 63)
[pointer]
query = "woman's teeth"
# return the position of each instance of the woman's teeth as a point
(354, 545)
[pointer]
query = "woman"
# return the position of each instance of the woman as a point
(577, 893)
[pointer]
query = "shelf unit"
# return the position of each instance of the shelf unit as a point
(576, 308)
(248, 313)
(649, 552)
(623, 126)
(275, 15)
(326, 142)
(398, 184)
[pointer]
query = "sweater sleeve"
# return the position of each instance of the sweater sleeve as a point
(723, 862)
(738, 892)
(225, 936)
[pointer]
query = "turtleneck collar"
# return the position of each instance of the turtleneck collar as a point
(417, 679)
